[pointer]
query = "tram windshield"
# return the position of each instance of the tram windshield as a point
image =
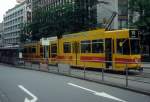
(135, 46)
(123, 46)
(128, 46)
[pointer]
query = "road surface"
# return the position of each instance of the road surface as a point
(20, 85)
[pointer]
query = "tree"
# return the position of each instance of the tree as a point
(64, 18)
(26, 31)
(142, 8)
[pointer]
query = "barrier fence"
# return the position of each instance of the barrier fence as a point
(131, 79)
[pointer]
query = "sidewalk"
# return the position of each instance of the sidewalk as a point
(146, 65)
(137, 83)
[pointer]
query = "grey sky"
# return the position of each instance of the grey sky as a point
(4, 6)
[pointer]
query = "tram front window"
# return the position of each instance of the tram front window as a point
(123, 46)
(135, 47)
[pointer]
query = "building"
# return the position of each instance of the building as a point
(29, 10)
(123, 13)
(13, 21)
(20, 1)
(105, 9)
(1, 34)
(52, 17)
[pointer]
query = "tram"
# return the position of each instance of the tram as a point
(112, 50)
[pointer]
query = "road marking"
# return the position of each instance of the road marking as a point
(102, 94)
(29, 93)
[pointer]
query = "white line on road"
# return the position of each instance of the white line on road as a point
(29, 93)
(102, 94)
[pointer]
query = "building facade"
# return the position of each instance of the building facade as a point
(123, 13)
(1, 34)
(20, 1)
(13, 21)
(29, 10)
(105, 9)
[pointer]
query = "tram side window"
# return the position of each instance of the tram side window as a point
(25, 50)
(30, 50)
(123, 46)
(33, 50)
(86, 46)
(53, 48)
(135, 46)
(41, 49)
(98, 46)
(67, 47)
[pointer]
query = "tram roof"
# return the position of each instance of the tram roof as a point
(97, 30)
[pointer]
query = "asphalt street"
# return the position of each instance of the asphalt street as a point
(21, 85)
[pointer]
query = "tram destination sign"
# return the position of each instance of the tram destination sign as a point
(133, 34)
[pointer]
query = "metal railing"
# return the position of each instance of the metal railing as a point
(132, 79)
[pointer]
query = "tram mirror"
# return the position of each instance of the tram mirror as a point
(120, 44)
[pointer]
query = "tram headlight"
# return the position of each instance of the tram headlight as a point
(137, 60)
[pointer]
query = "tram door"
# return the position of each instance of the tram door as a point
(53, 52)
(108, 52)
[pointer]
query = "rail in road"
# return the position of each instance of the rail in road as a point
(21, 85)
(132, 80)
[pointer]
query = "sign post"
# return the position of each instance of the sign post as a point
(45, 44)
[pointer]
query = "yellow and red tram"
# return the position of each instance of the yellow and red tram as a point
(113, 50)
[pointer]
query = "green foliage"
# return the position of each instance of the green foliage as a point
(62, 19)
(142, 7)
(26, 30)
